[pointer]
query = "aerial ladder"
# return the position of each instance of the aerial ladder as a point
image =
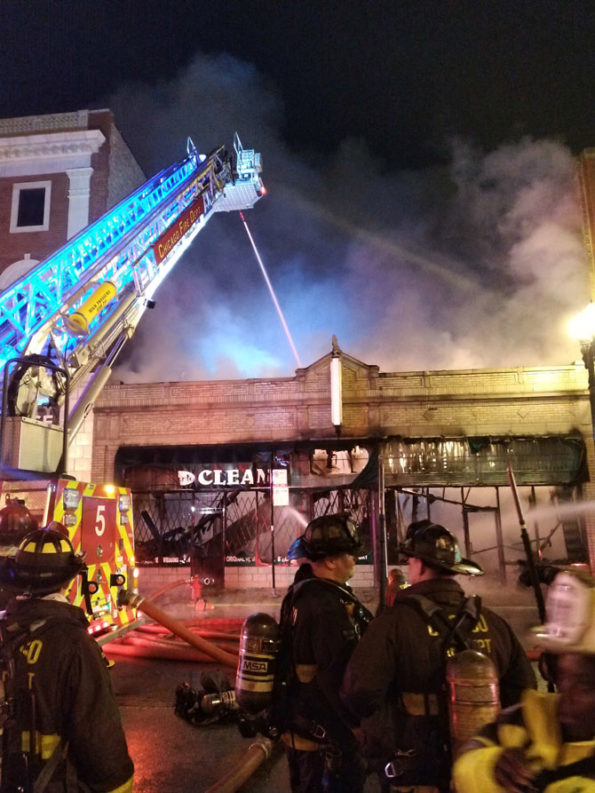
(66, 321)
(62, 327)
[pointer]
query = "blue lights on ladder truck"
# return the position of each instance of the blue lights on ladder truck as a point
(79, 306)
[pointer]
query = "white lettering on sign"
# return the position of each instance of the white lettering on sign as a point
(205, 477)
(226, 476)
(248, 478)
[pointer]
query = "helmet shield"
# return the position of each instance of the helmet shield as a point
(44, 562)
(438, 548)
(330, 535)
(296, 549)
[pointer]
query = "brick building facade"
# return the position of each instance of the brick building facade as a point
(57, 174)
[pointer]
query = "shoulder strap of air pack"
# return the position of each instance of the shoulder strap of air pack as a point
(455, 630)
(360, 614)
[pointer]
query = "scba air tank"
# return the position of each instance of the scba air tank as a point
(259, 647)
(473, 695)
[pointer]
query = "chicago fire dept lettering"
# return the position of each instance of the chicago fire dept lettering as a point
(32, 650)
(481, 644)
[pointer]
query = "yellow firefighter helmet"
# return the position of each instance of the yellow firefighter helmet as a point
(570, 614)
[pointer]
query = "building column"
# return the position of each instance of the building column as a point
(78, 199)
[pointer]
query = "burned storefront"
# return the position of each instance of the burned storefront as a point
(240, 505)
(213, 507)
(225, 474)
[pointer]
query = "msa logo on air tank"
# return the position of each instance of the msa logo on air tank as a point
(250, 665)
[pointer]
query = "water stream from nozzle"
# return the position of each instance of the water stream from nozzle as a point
(272, 291)
(568, 510)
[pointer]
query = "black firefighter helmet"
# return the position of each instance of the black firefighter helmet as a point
(438, 548)
(44, 562)
(15, 523)
(330, 535)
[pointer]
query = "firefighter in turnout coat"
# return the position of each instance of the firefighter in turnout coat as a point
(394, 679)
(547, 742)
(63, 732)
(321, 622)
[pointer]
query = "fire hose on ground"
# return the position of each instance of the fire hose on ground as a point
(156, 641)
(178, 628)
(200, 649)
(258, 751)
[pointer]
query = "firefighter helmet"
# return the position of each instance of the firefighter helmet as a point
(438, 548)
(15, 523)
(570, 610)
(330, 535)
(44, 562)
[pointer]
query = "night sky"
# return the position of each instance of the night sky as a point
(419, 156)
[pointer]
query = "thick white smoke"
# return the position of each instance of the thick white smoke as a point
(476, 264)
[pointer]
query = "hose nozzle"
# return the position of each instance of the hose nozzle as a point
(128, 598)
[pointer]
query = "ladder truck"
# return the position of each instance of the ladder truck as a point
(62, 327)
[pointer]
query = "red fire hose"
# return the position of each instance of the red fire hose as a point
(178, 628)
(200, 650)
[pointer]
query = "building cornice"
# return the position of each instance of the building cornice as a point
(52, 122)
(54, 152)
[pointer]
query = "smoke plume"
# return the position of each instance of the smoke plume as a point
(476, 264)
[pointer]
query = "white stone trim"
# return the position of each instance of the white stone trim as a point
(54, 152)
(78, 199)
(14, 210)
(16, 270)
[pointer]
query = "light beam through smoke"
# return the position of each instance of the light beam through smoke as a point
(272, 292)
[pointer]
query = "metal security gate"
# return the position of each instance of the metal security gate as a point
(174, 526)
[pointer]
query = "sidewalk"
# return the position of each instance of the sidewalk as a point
(516, 605)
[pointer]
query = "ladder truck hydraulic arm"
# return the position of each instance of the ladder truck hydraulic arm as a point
(64, 323)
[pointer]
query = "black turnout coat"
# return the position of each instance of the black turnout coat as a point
(73, 703)
(400, 654)
(320, 622)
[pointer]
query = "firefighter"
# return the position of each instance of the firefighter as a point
(547, 742)
(15, 523)
(396, 582)
(57, 685)
(394, 681)
(321, 621)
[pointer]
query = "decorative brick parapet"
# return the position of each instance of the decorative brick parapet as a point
(519, 401)
(51, 122)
